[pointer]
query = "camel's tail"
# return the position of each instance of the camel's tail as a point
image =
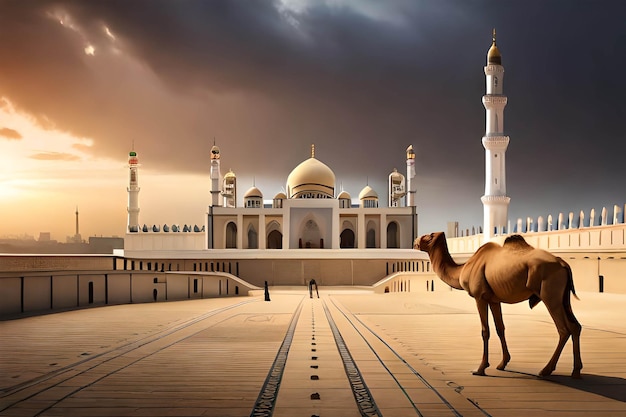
(569, 288)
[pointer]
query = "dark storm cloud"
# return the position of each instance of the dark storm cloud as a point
(362, 81)
(10, 134)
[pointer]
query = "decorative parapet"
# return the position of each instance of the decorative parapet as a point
(567, 232)
(155, 228)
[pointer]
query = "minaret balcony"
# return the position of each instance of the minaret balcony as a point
(495, 99)
(494, 69)
(495, 199)
(496, 142)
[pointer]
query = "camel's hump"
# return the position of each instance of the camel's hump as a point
(516, 242)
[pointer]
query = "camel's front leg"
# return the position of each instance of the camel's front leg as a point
(483, 311)
(496, 310)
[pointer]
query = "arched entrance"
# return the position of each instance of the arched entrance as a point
(347, 239)
(393, 238)
(231, 236)
(275, 240)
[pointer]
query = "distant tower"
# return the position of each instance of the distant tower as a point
(495, 201)
(410, 177)
(397, 188)
(215, 175)
(229, 189)
(133, 193)
(77, 237)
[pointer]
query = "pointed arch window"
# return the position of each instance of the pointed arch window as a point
(253, 238)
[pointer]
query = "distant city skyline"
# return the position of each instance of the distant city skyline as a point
(83, 83)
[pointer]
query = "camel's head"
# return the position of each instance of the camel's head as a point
(426, 242)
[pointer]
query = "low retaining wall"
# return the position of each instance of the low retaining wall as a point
(53, 291)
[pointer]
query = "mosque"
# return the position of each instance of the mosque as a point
(310, 215)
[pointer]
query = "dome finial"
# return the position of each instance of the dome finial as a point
(493, 55)
(312, 150)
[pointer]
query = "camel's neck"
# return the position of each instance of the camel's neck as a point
(444, 266)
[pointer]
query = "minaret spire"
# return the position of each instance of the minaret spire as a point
(312, 150)
(215, 175)
(495, 200)
(411, 184)
(133, 193)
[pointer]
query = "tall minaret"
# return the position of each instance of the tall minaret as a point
(215, 176)
(495, 201)
(133, 193)
(410, 177)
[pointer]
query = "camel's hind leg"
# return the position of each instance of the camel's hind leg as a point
(496, 310)
(566, 325)
(483, 311)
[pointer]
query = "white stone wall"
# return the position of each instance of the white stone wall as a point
(152, 241)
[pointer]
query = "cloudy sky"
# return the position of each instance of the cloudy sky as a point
(82, 82)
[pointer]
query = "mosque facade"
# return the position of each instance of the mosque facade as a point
(311, 214)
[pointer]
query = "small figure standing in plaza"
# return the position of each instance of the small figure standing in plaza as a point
(312, 284)
(267, 292)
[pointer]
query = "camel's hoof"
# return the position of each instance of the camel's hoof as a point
(479, 373)
(545, 372)
(505, 361)
(576, 374)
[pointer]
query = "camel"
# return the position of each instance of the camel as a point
(511, 273)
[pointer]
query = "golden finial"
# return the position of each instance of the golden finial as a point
(493, 56)
(312, 150)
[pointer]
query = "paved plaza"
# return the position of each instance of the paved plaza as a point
(349, 353)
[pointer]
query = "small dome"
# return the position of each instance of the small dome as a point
(344, 195)
(280, 196)
(253, 192)
(367, 193)
(410, 153)
(230, 174)
(493, 56)
(395, 174)
(311, 176)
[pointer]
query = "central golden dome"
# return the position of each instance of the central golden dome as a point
(311, 179)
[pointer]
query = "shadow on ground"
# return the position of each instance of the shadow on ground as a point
(607, 386)
(611, 387)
